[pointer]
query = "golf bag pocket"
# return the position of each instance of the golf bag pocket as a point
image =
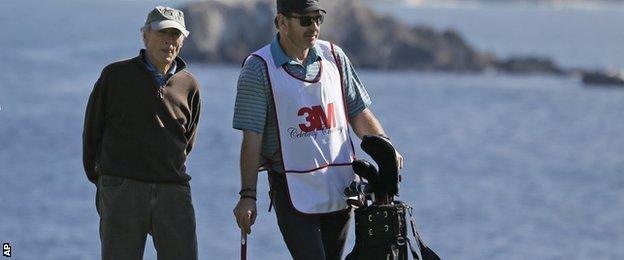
(381, 233)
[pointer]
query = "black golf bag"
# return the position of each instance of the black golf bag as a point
(381, 229)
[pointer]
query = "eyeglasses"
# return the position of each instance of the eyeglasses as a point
(306, 21)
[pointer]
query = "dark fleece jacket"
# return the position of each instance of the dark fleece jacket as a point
(133, 131)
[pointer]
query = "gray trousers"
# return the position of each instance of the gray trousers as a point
(314, 237)
(129, 210)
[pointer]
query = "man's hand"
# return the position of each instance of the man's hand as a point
(365, 123)
(245, 213)
(399, 158)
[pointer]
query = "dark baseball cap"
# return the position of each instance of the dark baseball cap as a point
(298, 6)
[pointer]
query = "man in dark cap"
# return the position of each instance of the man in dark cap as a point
(296, 99)
(140, 125)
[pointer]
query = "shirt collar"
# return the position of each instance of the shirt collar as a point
(153, 69)
(280, 58)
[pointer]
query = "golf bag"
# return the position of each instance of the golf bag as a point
(381, 229)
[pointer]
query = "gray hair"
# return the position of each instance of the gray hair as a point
(145, 29)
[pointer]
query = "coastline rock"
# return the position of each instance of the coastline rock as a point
(604, 78)
(227, 31)
(529, 65)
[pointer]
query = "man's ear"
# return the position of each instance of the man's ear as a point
(281, 21)
(144, 34)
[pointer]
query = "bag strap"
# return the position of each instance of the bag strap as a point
(401, 213)
(425, 251)
(412, 249)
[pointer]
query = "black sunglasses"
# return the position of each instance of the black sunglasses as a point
(306, 21)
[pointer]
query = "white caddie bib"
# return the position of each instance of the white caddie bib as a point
(313, 130)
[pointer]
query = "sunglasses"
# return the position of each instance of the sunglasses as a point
(306, 21)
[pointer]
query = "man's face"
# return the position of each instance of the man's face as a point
(163, 45)
(303, 36)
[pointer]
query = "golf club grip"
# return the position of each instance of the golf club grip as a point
(243, 242)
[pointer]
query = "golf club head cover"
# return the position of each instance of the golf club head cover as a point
(366, 170)
(383, 153)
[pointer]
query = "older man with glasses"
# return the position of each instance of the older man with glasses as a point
(296, 99)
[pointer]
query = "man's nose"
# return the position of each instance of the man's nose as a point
(316, 24)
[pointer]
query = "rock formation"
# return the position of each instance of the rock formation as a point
(226, 31)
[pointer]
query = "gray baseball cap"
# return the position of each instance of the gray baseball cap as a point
(166, 17)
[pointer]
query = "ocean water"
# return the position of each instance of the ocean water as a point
(497, 166)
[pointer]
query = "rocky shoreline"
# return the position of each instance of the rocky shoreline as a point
(226, 31)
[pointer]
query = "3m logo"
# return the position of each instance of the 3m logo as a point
(6, 250)
(317, 118)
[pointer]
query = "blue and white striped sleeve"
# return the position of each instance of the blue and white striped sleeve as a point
(250, 108)
(355, 92)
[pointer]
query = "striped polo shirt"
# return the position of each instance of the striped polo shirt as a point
(253, 109)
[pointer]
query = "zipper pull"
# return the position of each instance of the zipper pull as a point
(161, 92)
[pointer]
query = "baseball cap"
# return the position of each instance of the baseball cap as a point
(298, 6)
(162, 17)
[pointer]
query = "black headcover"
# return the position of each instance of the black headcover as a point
(366, 170)
(384, 154)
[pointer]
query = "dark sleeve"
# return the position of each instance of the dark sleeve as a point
(95, 117)
(191, 134)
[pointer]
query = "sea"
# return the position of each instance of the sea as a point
(497, 166)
